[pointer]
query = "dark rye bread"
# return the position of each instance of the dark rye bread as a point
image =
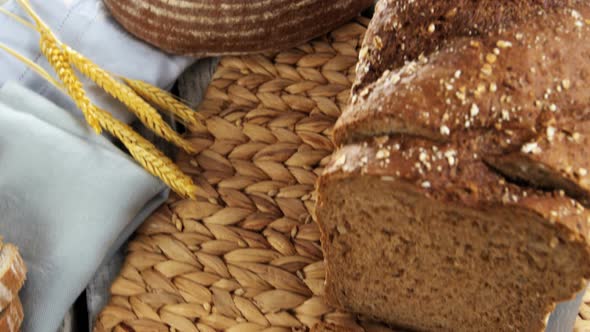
(219, 27)
(424, 236)
(402, 30)
(519, 87)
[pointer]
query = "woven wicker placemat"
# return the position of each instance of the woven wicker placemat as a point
(245, 256)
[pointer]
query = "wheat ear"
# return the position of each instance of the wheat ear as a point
(147, 155)
(144, 111)
(144, 152)
(57, 59)
(51, 50)
(165, 101)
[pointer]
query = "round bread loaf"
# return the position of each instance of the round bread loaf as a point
(217, 27)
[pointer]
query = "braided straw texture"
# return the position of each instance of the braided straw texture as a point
(245, 256)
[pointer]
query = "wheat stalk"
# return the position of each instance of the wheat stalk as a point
(143, 151)
(144, 111)
(167, 102)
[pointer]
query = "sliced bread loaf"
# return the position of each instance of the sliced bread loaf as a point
(12, 317)
(424, 236)
(12, 274)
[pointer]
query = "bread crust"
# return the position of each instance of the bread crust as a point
(558, 159)
(12, 317)
(452, 175)
(519, 93)
(402, 30)
(532, 75)
(13, 278)
(221, 27)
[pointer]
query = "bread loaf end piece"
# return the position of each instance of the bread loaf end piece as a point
(424, 236)
(12, 274)
(12, 317)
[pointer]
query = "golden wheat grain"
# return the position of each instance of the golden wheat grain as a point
(146, 113)
(148, 156)
(50, 48)
(167, 102)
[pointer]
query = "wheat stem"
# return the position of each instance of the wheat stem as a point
(35, 67)
(41, 25)
(17, 18)
(168, 103)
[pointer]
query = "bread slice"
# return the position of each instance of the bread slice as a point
(12, 317)
(12, 274)
(401, 31)
(513, 91)
(424, 236)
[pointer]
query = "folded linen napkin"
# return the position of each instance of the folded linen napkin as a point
(68, 199)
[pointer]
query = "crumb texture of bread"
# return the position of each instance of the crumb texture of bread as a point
(12, 274)
(425, 236)
(11, 318)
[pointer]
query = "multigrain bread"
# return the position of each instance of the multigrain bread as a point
(459, 198)
(402, 30)
(424, 236)
(12, 317)
(524, 88)
(205, 27)
(12, 274)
